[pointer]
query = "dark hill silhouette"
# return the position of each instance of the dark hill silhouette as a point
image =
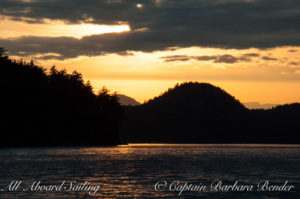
(40, 108)
(193, 96)
(202, 113)
(127, 101)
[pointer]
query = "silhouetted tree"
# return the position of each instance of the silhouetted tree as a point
(3, 53)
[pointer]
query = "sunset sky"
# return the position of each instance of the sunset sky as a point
(140, 48)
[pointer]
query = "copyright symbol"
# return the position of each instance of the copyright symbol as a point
(160, 186)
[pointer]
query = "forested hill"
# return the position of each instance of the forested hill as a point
(40, 108)
(192, 96)
(202, 113)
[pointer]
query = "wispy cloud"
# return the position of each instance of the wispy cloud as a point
(269, 58)
(225, 58)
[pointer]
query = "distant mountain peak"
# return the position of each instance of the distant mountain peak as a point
(257, 105)
(127, 101)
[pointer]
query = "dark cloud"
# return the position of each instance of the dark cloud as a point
(205, 58)
(293, 51)
(46, 57)
(68, 47)
(269, 58)
(226, 58)
(251, 55)
(235, 24)
(173, 58)
(248, 56)
(294, 63)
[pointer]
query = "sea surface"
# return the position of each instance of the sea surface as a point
(150, 171)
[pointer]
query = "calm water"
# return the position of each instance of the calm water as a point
(132, 171)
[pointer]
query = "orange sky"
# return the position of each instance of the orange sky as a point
(267, 76)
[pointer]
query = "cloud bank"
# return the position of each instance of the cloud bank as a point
(158, 25)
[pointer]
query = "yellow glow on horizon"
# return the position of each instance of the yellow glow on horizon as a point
(262, 92)
(145, 75)
(55, 28)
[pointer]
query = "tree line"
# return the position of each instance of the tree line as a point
(54, 107)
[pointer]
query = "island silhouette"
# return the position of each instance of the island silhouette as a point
(57, 108)
(194, 112)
